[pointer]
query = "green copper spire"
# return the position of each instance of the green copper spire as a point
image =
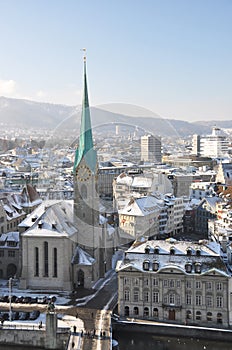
(85, 148)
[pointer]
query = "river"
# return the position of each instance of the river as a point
(135, 341)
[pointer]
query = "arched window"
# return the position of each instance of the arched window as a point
(188, 267)
(36, 261)
(198, 315)
(155, 265)
(83, 191)
(172, 251)
(155, 312)
(146, 312)
(198, 252)
(219, 317)
(136, 311)
(156, 250)
(188, 314)
(147, 249)
(146, 264)
(209, 316)
(197, 267)
(45, 259)
(126, 311)
(189, 251)
(55, 262)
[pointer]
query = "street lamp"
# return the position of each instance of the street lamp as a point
(10, 295)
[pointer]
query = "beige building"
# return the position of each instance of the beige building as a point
(175, 281)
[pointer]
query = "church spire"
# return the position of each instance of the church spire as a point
(85, 148)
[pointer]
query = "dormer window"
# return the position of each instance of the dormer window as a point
(147, 249)
(188, 267)
(198, 252)
(146, 265)
(197, 267)
(155, 266)
(172, 251)
(40, 224)
(189, 251)
(156, 250)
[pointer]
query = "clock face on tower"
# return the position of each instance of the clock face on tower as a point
(83, 173)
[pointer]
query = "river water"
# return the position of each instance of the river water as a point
(138, 341)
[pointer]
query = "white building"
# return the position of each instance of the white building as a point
(213, 146)
(175, 281)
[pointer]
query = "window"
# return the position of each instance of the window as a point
(219, 301)
(155, 266)
(136, 295)
(188, 299)
(171, 298)
(126, 311)
(198, 285)
(188, 284)
(198, 299)
(209, 316)
(146, 312)
(126, 281)
(219, 286)
(178, 300)
(198, 315)
(126, 294)
(1, 253)
(83, 191)
(208, 285)
(36, 261)
(209, 301)
(146, 282)
(219, 317)
(165, 283)
(136, 281)
(55, 262)
(178, 284)
(45, 259)
(155, 297)
(146, 296)
(171, 283)
(11, 253)
(155, 312)
(188, 315)
(136, 311)
(146, 265)
(155, 282)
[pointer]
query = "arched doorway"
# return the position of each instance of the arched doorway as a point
(80, 278)
(126, 311)
(11, 270)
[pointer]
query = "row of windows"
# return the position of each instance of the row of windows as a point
(10, 253)
(173, 298)
(172, 283)
(189, 316)
(45, 262)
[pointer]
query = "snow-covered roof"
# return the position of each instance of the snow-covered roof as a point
(81, 257)
(204, 252)
(141, 206)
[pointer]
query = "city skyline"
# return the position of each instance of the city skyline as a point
(169, 57)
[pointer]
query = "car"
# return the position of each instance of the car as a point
(15, 315)
(42, 300)
(24, 316)
(52, 298)
(34, 315)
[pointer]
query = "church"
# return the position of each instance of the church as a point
(69, 244)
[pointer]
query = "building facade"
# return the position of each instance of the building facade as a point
(182, 282)
(151, 149)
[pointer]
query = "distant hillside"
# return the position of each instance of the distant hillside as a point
(29, 114)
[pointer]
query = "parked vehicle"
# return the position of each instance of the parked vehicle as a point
(34, 315)
(24, 316)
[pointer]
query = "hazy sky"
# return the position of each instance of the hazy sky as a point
(173, 57)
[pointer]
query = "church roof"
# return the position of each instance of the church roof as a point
(85, 148)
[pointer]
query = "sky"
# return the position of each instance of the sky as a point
(172, 57)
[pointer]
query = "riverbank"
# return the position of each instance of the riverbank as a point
(171, 330)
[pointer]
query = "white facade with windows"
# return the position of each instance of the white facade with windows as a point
(175, 281)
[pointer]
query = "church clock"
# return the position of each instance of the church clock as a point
(83, 173)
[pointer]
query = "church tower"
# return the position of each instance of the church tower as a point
(86, 199)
